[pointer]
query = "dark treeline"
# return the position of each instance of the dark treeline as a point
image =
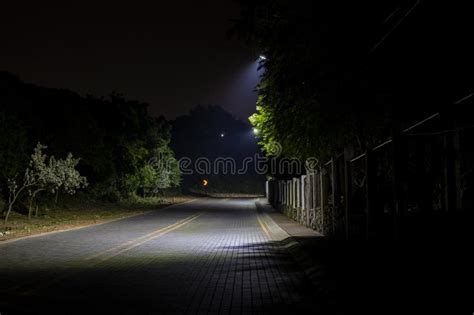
(351, 73)
(212, 138)
(115, 138)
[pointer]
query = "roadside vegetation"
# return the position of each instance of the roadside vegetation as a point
(56, 143)
(327, 87)
(210, 137)
(78, 211)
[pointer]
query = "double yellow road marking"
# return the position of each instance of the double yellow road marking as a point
(112, 252)
(264, 226)
(270, 228)
(105, 255)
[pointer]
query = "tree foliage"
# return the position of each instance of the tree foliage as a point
(332, 79)
(115, 137)
(53, 175)
(13, 152)
(209, 133)
(308, 64)
(43, 174)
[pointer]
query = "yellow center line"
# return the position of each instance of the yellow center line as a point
(141, 240)
(156, 233)
(117, 250)
(264, 227)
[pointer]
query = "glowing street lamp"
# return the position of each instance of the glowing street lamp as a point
(255, 131)
(262, 57)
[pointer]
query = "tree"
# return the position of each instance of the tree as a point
(13, 152)
(197, 136)
(166, 169)
(314, 96)
(115, 137)
(161, 172)
(45, 174)
(16, 189)
(65, 177)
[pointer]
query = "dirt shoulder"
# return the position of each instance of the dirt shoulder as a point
(80, 214)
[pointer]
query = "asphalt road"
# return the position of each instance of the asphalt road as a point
(206, 256)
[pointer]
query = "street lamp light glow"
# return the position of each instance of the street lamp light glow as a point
(255, 131)
(222, 135)
(262, 57)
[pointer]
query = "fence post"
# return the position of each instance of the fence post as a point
(283, 192)
(285, 196)
(290, 196)
(303, 199)
(296, 199)
(371, 181)
(302, 191)
(266, 191)
(457, 166)
(398, 179)
(324, 199)
(449, 171)
(348, 194)
(335, 195)
(274, 193)
(307, 200)
(279, 200)
(312, 187)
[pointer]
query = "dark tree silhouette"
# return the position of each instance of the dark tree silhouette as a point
(114, 137)
(212, 133)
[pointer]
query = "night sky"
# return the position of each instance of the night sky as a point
(172, 55)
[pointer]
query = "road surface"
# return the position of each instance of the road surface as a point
(205, 256)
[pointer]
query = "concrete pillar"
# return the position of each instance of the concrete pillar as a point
(291, 198)
(279, 192)
(295, 192)
(314, 191)
(303, 192)
(296, 209)
(324, 199)
(307, 198)
(292, 193)
(288, 193)
(267, 192)
(297, 196)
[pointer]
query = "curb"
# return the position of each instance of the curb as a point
(315, 273)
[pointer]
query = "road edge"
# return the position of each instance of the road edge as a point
(90, 225)
(313, 271)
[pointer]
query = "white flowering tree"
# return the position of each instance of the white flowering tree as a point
(66, 178)
(16, 189)
(45, 174)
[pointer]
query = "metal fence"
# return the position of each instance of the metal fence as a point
(393, 188)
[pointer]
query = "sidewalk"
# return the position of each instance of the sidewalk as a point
(388, 277)
(307, 247)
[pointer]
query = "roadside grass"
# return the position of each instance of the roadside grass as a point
(75, 213)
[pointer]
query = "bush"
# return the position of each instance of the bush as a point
(107, 192)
